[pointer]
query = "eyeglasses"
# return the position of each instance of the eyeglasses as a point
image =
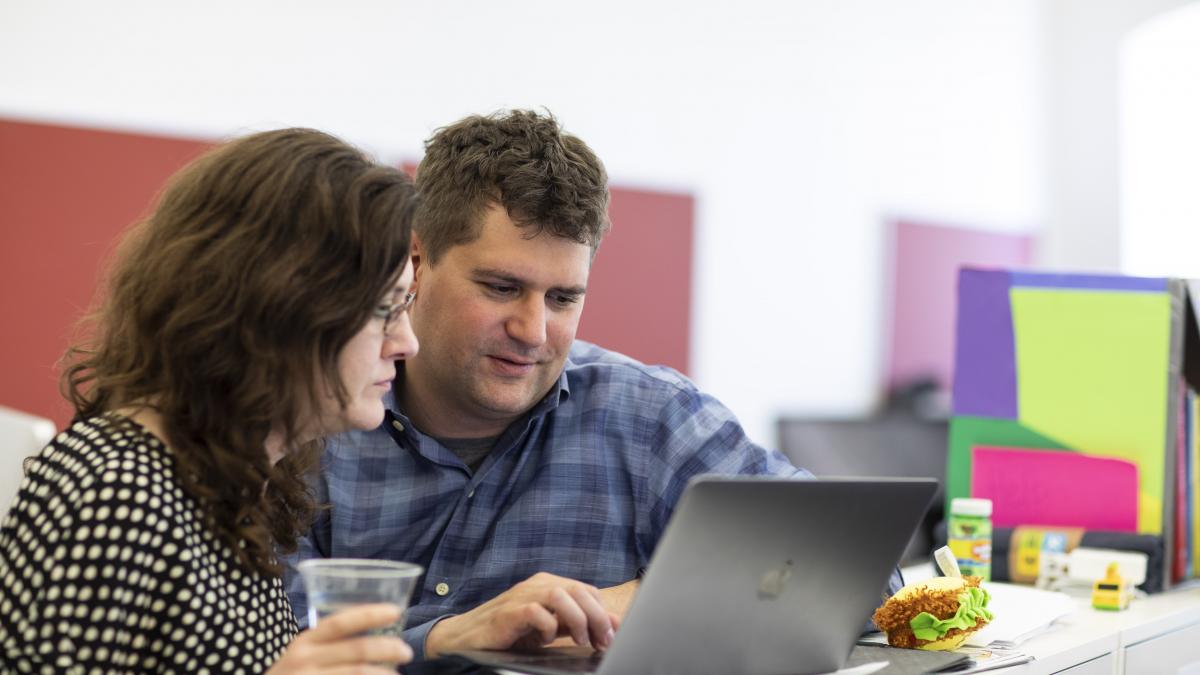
(391, 313)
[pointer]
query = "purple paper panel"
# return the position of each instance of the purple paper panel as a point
(1098, 282)
(985, 370)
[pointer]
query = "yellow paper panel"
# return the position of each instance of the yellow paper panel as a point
(1092, 373)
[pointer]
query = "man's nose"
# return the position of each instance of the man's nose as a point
(527, 324)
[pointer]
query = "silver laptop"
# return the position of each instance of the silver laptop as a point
(755, 575)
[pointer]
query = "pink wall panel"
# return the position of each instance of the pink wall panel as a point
(66, 193)
(925, 262)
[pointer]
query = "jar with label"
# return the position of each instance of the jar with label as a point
(969, 535)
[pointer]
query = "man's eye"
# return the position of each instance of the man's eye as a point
(502, 289)
(564, 300)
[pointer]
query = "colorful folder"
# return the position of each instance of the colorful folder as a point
(1071, 404)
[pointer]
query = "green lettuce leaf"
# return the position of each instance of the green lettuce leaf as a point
(972, 604)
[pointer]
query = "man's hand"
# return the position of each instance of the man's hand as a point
(617, 599)
(529, 615)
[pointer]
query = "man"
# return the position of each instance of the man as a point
(510, 448)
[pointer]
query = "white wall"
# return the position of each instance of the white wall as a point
(1160, 145)
(798, 125)
(1084, 40)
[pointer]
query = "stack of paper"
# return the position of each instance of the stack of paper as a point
(1021, 612)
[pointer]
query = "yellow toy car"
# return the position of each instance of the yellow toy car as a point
(1112, 592)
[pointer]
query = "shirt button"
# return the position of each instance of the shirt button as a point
(397, 425)
(442, 588)
(471, 493)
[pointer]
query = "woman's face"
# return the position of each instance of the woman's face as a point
(367, 364)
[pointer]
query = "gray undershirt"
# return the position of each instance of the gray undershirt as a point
(472, 451)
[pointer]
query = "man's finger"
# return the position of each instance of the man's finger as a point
(538, 622)
(572, 619)
(353, 621)
(599, 625)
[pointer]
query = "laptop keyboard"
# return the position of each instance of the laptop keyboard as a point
(566, 663)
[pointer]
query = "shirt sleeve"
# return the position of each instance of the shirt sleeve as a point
(895, 583)
(415, 636)
(695, 434)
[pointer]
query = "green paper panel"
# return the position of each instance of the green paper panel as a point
(1092, 370)
(967, 431)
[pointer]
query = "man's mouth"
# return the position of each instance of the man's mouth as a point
(515, 360)
(511, 365)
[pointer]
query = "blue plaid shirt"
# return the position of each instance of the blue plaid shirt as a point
(582, 487)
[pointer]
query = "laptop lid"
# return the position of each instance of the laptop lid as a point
(765, 576)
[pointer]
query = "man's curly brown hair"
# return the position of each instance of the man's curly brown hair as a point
(227, 309)
(546, 179)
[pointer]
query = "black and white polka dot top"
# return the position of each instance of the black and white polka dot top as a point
(106, 566)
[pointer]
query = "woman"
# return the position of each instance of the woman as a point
(261, 306)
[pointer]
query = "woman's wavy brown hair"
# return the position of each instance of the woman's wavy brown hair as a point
(226, 312)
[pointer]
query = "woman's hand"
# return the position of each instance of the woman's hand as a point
(337, 645)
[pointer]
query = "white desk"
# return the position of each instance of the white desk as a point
(1158, 634)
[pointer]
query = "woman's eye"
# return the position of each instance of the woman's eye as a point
(383, 311)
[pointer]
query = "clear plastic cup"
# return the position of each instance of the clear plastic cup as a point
(334, 584)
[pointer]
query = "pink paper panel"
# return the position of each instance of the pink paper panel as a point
(1056, 487)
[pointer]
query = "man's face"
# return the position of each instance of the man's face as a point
(495, 318)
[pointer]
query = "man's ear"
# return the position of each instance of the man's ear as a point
(414, 254)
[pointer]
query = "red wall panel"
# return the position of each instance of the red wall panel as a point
(639, 293)
(65, 194)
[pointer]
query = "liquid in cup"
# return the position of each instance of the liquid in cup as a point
(334, 584)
